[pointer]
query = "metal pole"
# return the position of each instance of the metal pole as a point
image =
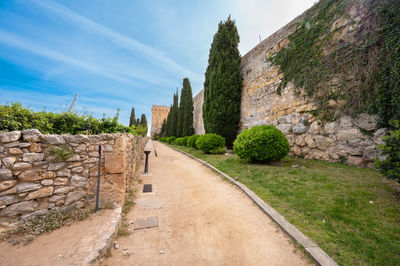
(98, 180)
(146, 166)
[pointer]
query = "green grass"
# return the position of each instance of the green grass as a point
(351, 213)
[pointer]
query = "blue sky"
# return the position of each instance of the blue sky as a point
(120, 53)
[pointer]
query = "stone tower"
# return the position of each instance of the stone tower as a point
(158, 114)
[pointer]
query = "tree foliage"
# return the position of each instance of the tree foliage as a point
(17, 117)
(185, 116)
(223, 82)
(132, 119)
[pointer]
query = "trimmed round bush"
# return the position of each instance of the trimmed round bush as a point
(210, 142)
(163, 139)
(261, 144)
(170, 140)
(192, 141)
(181, 141)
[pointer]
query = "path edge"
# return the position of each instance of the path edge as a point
(319, 256)
(109, 233)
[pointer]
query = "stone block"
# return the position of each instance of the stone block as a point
(32, 135)
(10, 136)
(21, 166)
(355, 160)
(346, 121)
(32, 157)
(60, 181)
(350, 136)
(41, 193)
(7, 184)
(331, 127)
(26, 187)
(54, 139)
(77, 138)
(5, 174)
(74, 158)
(78, 181)
(310, 141)
(78, 169)
(75, 196)
(285, 128)
(299, 140)
(378, 136)
(15, 151)
(11, 144)
(19, 208)
(7, 200)
(56, 166)
(9, 161)
(370, 153)
(315, 127)
(299, 128)
(34, 175)
(62, 190)
(47, 182)
(1, 149)
(35, 147)
(366, 121)
(114, 163)
(64, 172)
(323, 142)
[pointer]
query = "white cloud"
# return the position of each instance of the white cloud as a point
(123, 41)
(264, 17)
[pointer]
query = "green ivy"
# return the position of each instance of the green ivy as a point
(364, 75)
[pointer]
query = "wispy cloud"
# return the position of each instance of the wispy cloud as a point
(20, 43)
(156, 56)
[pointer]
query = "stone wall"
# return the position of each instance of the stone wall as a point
(33, 181)
(158, 114)
(346, 140)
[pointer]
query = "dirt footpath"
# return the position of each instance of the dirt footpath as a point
(203, 220)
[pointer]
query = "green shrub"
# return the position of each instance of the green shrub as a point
(390, 166)
(191, 143)
(220, 150)
(180, 141)
(210, 142)
(261, 144)
(171, 139)
(16, 117)
(62, 153)
(163, 139)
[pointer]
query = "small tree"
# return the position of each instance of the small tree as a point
(143, 123)
(223, 82)
(163, 128)
(132, 119)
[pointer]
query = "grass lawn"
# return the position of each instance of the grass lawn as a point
(351, 213)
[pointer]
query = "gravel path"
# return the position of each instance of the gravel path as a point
(203, 220)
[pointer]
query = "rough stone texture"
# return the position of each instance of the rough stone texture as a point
(43, 192)
(114, 163)
(291, 112)
(9, 161)
(158, 114)
(19, 208)
(54, 139)
(34, 175)
(7, 184)
(10, 136)
(366, 121)
(5, 174)
(32, 135)
(32, 157)
(31, 181)
(74, 196)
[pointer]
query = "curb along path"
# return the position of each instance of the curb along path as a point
(319, 256)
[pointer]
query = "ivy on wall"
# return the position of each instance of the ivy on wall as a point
(361, 75)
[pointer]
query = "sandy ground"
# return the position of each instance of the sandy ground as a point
(69, 245)
(203, 220)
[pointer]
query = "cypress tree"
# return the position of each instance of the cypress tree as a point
(163, 128)
(179, 125)
(137, 122)
(187, 108)
(143, 123)
(132, 119)
(223, 82)
(174, 115)
(168, 125)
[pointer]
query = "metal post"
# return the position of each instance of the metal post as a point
(146, 166)
(98, 178)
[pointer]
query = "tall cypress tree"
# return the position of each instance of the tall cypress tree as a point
(187, 108)
(132, 119)
(174, 115)
(143, 123)
(179, 125)
(163, 128)
(168, 126)
(223, 82)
